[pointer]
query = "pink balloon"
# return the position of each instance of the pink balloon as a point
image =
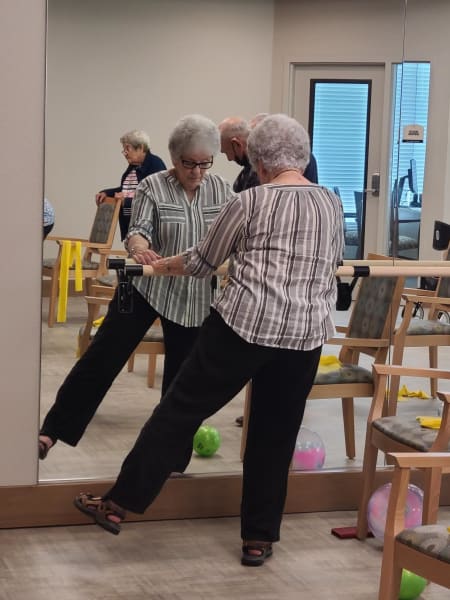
(309, 453)
(378, 505)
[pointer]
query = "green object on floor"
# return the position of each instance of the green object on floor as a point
(412, 585)
(206, 440)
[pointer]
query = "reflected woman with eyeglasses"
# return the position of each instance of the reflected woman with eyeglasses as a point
(172, 211)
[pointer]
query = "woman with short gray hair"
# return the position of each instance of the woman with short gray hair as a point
(284, 240)
(282, 144)
(136, 139)
(172, 211)
(141, 163)
(194, 133)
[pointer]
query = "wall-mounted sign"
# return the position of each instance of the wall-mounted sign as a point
(413, 133)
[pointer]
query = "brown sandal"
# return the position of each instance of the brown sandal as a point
(101, 511)
(255, 553)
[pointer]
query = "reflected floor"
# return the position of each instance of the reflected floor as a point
(129, 403)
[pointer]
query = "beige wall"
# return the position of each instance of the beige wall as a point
(115, 66)
(368, 31)
(22, 69)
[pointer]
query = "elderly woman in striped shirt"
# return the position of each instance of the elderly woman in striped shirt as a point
(172, 211)
(284, 240)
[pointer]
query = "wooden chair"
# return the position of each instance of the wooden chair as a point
(423, 550)
(98, 244)
(388, 432)
(368, 332)
(353, 224)
(428, 333)
(152, 343)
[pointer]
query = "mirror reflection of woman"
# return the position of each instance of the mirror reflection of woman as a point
(284, 240)
(172, 211)
(141, 163)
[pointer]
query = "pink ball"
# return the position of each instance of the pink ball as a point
(378, 505)
(309, 453)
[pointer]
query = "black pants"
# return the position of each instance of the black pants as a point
(47, 229)
(87, 383)
(219, 365)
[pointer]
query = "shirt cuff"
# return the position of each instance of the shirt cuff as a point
(195, 265)
(137, 231)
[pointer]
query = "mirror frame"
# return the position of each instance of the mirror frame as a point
(29, 502)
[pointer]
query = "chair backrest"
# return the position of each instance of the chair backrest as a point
(376, 306)
(105, 222)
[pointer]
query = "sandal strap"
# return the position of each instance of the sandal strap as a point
(261, 547)
(99, 505)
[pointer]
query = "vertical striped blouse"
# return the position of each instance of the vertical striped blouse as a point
(171, 223)
(284, 243)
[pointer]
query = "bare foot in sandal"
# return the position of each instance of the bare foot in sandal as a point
(255, 553)
(105, 513)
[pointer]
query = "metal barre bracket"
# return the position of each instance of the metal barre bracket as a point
(125, 274)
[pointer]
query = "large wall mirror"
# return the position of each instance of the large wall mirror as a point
(115, 66)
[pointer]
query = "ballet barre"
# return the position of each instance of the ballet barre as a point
(127, 268)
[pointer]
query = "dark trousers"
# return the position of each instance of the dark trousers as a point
(91, 377)
(47, 229)
(219, 365)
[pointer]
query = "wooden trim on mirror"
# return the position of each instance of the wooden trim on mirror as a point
(188, 497)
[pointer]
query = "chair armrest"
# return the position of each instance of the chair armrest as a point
(341, 328)
(444, 396)
(425, 300)
(411, 371)
(113, 252)
(60, 239)
(418, 292)
(359, 342)
(420, 460)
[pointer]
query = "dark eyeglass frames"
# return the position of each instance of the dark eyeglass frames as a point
(191, 164)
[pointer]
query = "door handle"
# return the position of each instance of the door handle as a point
(375, 189)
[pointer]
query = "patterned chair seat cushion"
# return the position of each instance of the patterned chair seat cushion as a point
(433, 540)
(85, 264)
(407, 431)
(344, 374)
(426, 327)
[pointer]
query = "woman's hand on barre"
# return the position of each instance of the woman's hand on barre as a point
(144, 256)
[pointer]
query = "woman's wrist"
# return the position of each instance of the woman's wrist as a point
(172, 265)
(136, 249)
(137, 244)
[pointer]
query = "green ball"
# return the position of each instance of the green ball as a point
(412, 585)
(206, 440)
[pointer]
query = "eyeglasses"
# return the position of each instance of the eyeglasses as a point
(191, 164)
(127, 148)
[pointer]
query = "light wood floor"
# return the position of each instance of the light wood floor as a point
(191, 560)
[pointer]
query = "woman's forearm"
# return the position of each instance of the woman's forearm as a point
(173, 265)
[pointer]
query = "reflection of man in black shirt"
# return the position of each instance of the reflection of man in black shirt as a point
(234, 132)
